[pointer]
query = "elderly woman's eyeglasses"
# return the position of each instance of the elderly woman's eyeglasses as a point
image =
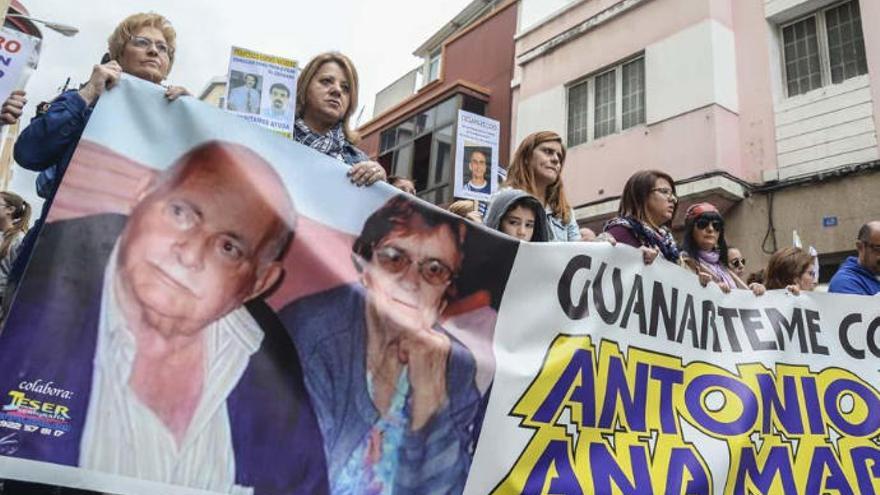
(738, 262)
(666, 193)
(145, 44)
(395, 260)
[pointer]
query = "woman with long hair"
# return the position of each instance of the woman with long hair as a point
(537, 169)
(647, 206)
(705, 251)
(15, 219)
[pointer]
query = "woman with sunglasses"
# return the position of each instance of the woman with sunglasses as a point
(394, 393)
(736, 262)
(647, 206)
(705, 249)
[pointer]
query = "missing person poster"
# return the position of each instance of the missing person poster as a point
(262, 89)
(198, 318)
(476, 156)
(19, 55)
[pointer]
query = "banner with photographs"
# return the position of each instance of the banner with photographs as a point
(262, 89)
(198, 318)
(476, 156)
(19, 55)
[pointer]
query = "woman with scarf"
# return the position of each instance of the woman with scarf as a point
(646, 209)
(705, 250)
(326, 97)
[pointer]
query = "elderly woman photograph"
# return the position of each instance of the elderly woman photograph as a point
(394, 393)
(326, 98)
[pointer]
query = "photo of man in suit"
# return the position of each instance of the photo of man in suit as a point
(246, 97)
(173, 368)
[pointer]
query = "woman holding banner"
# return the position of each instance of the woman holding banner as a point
(704, 249)
(647, 206)
(536, 168)
(142, 45)
(394, 393)
(326, 97)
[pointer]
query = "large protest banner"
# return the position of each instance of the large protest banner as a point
(212, 308)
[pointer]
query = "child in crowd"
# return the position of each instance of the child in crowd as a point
(519, 215)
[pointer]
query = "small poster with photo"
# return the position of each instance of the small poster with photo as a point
(476, 156)
(262, 89)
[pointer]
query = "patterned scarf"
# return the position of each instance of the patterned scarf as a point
(710, 260)
(649, 237)
(332, 143)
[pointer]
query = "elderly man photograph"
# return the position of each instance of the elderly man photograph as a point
(861, 274)
(176, 370)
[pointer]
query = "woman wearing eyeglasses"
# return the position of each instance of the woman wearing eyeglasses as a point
(394, 393)
(791, 268)
(647, 206)
(705, 249)
(142, 45)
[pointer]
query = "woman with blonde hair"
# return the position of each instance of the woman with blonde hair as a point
(537, 169)
(142, 45)
(326, 98)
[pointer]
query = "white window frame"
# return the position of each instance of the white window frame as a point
(438, 56)
(590, 81)
(821, 40)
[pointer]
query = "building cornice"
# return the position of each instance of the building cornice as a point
(575, 31)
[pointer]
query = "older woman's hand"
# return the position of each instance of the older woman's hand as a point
(13, 107)
(103, 77)
(757, 289)
(426, 354)
(649, 254)
(175, 92)
(794, 289)
(366, 173)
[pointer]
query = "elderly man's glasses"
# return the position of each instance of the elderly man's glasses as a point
(145, 44)
(666, 193)
(702, 223)
(432, 270)
(738, 262)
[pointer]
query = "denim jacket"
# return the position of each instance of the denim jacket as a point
(563, 232)
(47, 144)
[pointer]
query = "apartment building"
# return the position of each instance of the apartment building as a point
(767, 108)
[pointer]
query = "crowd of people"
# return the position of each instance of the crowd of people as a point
(531, 206)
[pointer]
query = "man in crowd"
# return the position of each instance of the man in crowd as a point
(477, 166)
(279, 98)
(245, 98)
(141, 320)
(861, 275)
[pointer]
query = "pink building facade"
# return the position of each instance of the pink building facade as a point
(767, 108)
